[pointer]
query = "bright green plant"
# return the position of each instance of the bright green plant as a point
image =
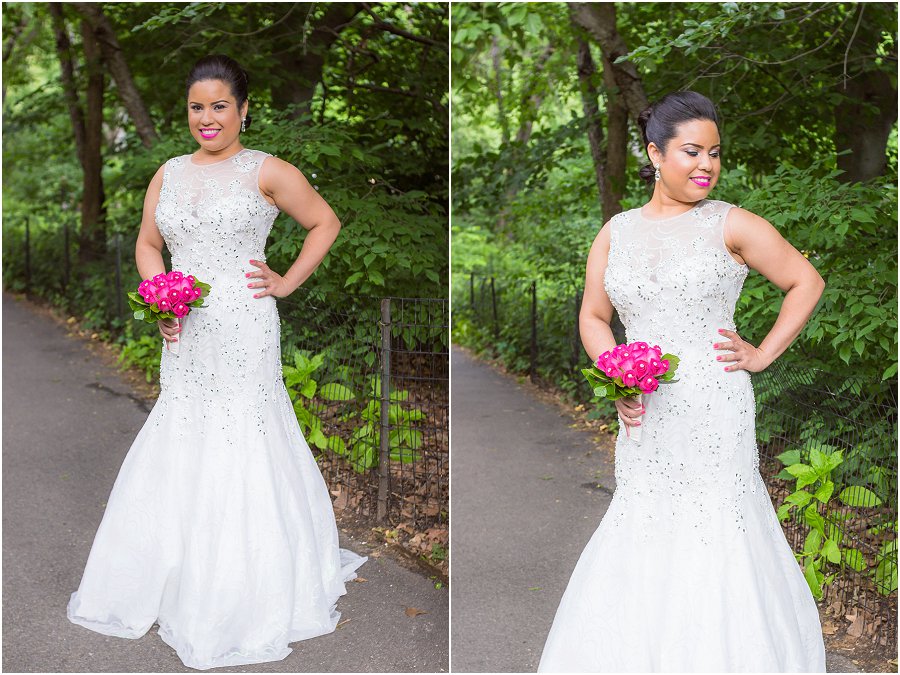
(404, 440)
(812, 498)
(303, 390)
(143, 353)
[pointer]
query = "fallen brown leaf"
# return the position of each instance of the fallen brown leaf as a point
(413, 612)
(360, 580)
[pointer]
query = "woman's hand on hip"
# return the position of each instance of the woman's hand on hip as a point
(743, 356)
(269, 281)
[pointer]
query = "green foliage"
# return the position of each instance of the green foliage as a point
(825, 543)
(305, 393)
(404, 439)
(143, 353)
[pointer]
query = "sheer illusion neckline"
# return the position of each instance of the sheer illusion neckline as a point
(191, 159)
(640, 211)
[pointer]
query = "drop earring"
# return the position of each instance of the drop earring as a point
(244, 126)
(656, 175)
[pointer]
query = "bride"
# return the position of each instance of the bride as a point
(689, 569)
(219, 526)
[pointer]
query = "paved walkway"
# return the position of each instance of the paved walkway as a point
(68, 421)
(528, 491)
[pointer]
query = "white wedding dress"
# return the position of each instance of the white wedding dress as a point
(219, 527)
(689, 570)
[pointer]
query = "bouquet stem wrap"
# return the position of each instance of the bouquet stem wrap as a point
(634, 433)
(175, 347)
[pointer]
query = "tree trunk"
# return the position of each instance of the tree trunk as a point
(616, 144)
(92, 241)
(599, 19)
(70, 90)
(593, 125)
(303, 60)
(498, 92)
(863, 130)
(121, 73)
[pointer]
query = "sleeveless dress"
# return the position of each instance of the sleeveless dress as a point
(219, 526)
(689, 570)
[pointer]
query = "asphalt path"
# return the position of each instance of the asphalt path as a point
(68, 420)
(528, 491)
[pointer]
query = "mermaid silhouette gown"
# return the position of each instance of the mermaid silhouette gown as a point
(219, 526)
(689, 570)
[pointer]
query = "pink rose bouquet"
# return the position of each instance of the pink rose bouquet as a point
(167, 296)
(630, 370)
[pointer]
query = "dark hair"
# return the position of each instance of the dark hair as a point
(225, 68)
(659, 122)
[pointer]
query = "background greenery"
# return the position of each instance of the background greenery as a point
(353, 94)
(546, 149)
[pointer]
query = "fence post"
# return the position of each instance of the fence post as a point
(472, 291)
(494, 309)
(384, 450)
(532, 366)
(576, 352)
(67, 266)
(118, 275)
(27, 255)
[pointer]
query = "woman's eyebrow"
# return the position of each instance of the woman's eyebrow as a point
(213, 103)
(697, 145)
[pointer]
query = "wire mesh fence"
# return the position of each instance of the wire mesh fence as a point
(368, 377)
(805, 418)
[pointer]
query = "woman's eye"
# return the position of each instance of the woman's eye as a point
(219, 107)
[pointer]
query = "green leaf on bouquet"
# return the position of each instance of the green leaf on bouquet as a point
(139, 315)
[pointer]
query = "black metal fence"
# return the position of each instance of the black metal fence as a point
(368, 377)
(533, 327)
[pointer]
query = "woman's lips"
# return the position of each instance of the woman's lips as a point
(702, 182)
(209, 133)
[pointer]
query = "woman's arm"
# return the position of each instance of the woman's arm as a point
(595, 316)
(596, 309)
(293, 194)
(759, 244)
(148, 250)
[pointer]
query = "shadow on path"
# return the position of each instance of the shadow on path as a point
(68, 420)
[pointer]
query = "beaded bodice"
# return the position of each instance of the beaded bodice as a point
(674, 284)
(673, 281)
(212, 216)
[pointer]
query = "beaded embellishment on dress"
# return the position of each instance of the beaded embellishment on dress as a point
(689, 569)
(219, 527)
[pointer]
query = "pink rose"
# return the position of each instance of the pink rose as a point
(164, 305)
(161, 281)
(640, 369)
(603, 360)
(187, 294)
(180, 309)
(629, 379)
(658, 351)
(612, 371)
(653, 367)
(173, 295)
(648, 384)
(190, 279)
(639, 347)
(663, 367)
(197, 292)
(174, 276)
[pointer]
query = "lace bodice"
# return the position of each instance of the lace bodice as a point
(212, 216)
(673, 281)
